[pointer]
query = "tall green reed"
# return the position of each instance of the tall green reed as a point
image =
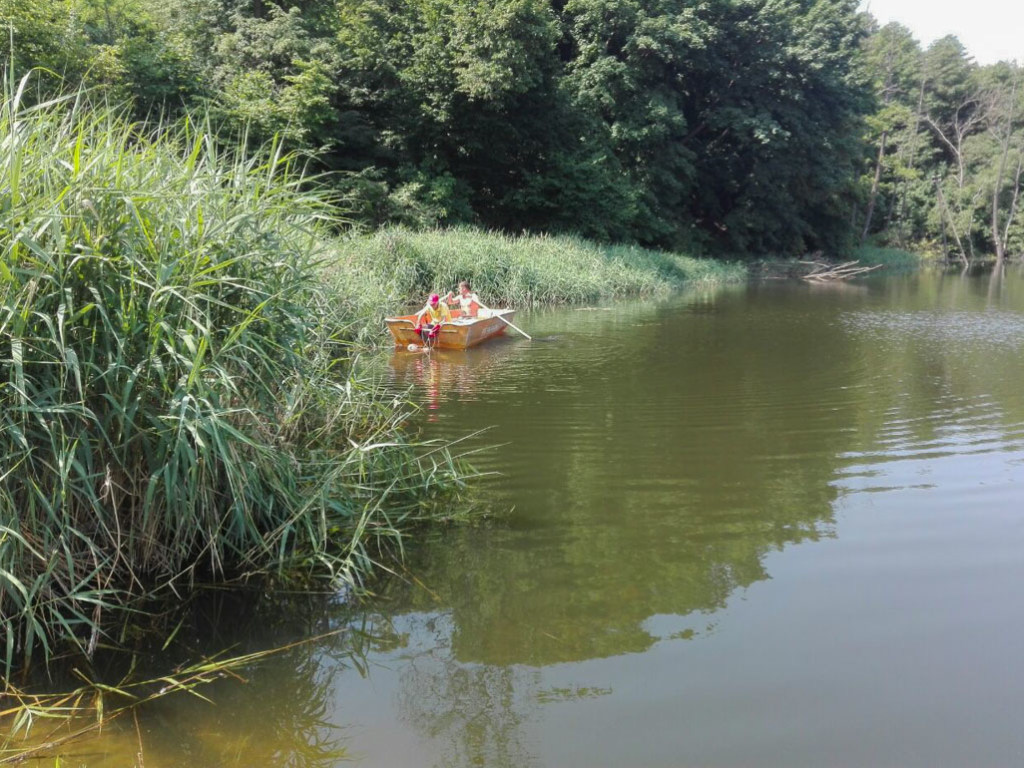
(893, 258)
(379, 273)
(173, 398)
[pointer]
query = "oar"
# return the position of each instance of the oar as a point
(506, 322)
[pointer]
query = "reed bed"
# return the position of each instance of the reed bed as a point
(175, 398)
(891, 258)
(382, 272)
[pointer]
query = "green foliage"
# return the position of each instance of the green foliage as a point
(947, 141)
(379, 274)
(174, 401)
(892, 258)
(45, 35)
(274, 75)
(729, 125)
(685, 90)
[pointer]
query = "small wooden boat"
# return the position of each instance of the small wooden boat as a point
(463, 333)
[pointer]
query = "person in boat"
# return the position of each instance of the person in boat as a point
(468, 301)
(431, 317)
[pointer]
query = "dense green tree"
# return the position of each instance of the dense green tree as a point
(737, 119)
(724, 125)
(275, 74)
(779, 111)
(471, 120)
(893, 59)
(44, 33)
(948, 140)
(625, 63)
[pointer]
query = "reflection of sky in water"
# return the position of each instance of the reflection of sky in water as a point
(990, 327)
(958, 442)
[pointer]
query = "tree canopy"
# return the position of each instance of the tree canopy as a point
(738, 126)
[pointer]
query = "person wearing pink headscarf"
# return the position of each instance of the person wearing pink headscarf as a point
(431, 317)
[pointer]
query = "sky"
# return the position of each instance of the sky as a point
(990, 30)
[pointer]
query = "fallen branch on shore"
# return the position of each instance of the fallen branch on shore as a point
(822, 271)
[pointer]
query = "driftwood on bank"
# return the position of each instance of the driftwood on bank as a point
(815, 269)
(822, 271)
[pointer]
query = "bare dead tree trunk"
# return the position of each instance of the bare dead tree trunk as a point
(967, 117)
(1013, 202)
(874, 188)
(968, 235)
(952, 224)
(998, 237)
(962, 126)
(823, 271)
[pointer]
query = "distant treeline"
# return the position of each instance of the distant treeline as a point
(947, 138)
(735, 126)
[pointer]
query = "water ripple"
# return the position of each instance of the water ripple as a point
(993, 327)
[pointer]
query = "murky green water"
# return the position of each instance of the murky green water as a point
(765, 526)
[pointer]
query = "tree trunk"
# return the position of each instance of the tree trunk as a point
(952, 224)
(998, 239)
(1013, 204)
(874, 188)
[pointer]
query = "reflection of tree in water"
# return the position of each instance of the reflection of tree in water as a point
(279, 717)
(636, 507)
(476, 712)
(597, 545)
(675, 461)
(754, 415)
(673, 507)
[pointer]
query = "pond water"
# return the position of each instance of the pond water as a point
(765, 525)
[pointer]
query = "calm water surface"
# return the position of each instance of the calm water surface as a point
(769, 525)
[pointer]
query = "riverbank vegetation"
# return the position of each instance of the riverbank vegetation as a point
(946, 144)
(732, 127)
(891, 258)
(723, 127)
(178, 293)
(176, 320)
(175, 402)
(375, 274)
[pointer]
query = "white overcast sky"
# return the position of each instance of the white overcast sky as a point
(990, 30)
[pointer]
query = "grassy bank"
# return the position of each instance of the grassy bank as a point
(378, 274)
(891, 258)
(175, 403)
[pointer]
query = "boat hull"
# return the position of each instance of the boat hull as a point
(464, 333)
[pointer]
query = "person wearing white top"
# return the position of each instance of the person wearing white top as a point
(468, 301)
